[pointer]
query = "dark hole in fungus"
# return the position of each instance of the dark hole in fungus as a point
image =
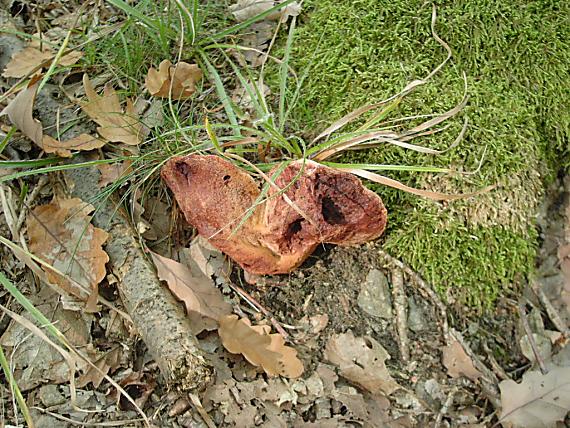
(331, 212)
(294, 228)
(226, 178)
(183, 168)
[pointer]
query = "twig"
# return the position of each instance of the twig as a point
(497, 369)
(88, 424)
(445, 407)
(553, 314)
(205, 416)
(531, 340)
(248, 298)
(28, 202)
(400, 309)
(424, 287)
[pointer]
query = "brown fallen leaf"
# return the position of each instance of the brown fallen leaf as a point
(361, 360)
(63, 148)
(61, 234)
(25, 61)
(30, 58)
(107, 362)
(114, 124)
(539, 401)
(204, 302)
(176, 81)
(458, 363)
(20, 110)
(111, 172)
(259, 347)
(246, 9)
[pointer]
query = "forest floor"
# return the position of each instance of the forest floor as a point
(116, 313)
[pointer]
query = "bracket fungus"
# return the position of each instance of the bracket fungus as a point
(318, 204)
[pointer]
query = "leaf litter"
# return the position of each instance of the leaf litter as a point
(322, 397)
(204, 303)
(115, 124)
(540, 400)
(35, 55)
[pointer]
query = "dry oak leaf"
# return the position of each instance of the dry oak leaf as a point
(246, 9)
(458, 363)
(63, 148)
(114, 124)
(32, 57)
(111, 172)
(62, 235)
(176, 81)
(361, 361)
(204, 302)
(539, 401)
(20, 110)
(259, 347)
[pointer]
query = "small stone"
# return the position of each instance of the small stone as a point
(374, 297)
(50, 396)
(416, 317)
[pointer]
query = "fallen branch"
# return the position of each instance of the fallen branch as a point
(156, 315)
(425, 288)
(400, 305)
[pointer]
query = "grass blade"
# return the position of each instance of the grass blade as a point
(222, 94)
(379, 167)
(134, 12)
(436, 196)
(14, 388)
(283, 74)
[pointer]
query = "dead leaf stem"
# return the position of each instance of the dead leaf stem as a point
(248, 298)
(530, 336)
(552, 312)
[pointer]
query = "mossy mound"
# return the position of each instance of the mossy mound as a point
(516, 58)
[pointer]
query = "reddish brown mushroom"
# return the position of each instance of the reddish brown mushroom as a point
(329, 206)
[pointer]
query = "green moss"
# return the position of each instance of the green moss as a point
(468, 265)
(516, 58)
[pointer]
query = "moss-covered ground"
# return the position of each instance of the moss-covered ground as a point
(516, 56)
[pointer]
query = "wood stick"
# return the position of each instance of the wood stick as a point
(157, 316)
(530, 335)
(400, 305)
(425, 288)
